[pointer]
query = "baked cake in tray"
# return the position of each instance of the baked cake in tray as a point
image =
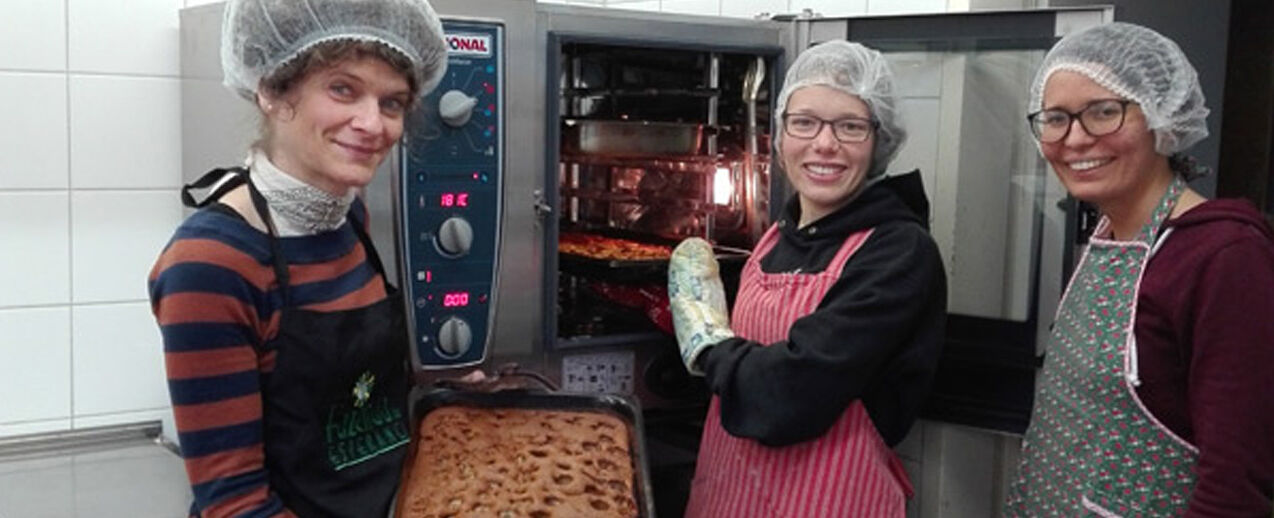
(520, 463)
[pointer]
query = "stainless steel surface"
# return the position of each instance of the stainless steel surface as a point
(114, 472)
(54, 442)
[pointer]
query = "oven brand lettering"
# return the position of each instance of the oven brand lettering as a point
(469, 44)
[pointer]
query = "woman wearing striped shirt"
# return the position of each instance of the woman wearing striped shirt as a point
(284, 343)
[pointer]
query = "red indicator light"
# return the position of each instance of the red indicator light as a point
(429, 276)
(455, 299)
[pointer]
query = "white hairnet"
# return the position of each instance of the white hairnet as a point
(855, 70)
(260, 36)
(1140, 65)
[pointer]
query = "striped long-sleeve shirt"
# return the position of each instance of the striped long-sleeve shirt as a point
(216, 298)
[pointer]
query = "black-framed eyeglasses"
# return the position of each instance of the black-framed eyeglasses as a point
(1100, 117)
(849, 130)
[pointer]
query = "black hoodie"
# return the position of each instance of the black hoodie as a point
(876, 335)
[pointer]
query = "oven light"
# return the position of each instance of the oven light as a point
(722, 187)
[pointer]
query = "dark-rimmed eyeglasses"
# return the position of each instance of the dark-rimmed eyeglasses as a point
(849, 130)
(1098, 118)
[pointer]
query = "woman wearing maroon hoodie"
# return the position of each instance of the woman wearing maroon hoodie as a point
(1156, 397)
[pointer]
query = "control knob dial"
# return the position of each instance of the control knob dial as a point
(454, 336)
(455, 108)
(455, 236)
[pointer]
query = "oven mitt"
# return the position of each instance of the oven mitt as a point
(697, 300)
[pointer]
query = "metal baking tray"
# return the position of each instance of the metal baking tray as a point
(631, 138)
(425, 400)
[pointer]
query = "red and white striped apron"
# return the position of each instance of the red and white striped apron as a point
(847, 472)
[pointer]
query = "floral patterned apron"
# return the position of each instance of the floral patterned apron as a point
(847, 472)
(1092, 448)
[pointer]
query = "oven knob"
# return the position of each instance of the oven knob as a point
(455, 236)
(455, 108)
(454, 337)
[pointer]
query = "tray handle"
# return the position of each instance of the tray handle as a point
(509, 376)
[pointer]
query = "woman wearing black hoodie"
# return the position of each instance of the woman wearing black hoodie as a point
(838, 323)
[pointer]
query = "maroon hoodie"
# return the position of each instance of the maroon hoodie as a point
(1205, 346)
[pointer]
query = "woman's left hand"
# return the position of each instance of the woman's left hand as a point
(697, 300)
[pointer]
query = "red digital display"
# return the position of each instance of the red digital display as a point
(455, 299)
(453, 199)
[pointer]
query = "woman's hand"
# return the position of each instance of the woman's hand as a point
(477, 376)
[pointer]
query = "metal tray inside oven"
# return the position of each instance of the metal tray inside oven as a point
(636, 271)
(425, 400)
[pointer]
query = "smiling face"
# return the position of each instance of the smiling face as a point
(1111, 170)
(334, 127)
(825, 172)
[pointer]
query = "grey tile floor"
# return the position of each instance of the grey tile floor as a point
(134, 479)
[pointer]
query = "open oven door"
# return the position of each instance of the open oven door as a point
(1005, 225)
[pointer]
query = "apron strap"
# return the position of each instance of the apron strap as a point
(229, 178)
(1149, 233)
(276, 251)
(356, 221)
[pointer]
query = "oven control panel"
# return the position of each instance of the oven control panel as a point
(452, 164)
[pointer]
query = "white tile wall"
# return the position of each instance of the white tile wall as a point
(125, 132)
(123, 36)
(90, 101)
(35, 364)
(706, 7)
(639, 5)
(115, 238)
(110, 340)
(750, 8)
(35, 263)
(33, 137)
(33, 35)
(831, 7)
(905, 6)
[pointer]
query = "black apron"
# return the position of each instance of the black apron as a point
(335, 405)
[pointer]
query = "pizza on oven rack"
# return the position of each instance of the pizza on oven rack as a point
(594, 246)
